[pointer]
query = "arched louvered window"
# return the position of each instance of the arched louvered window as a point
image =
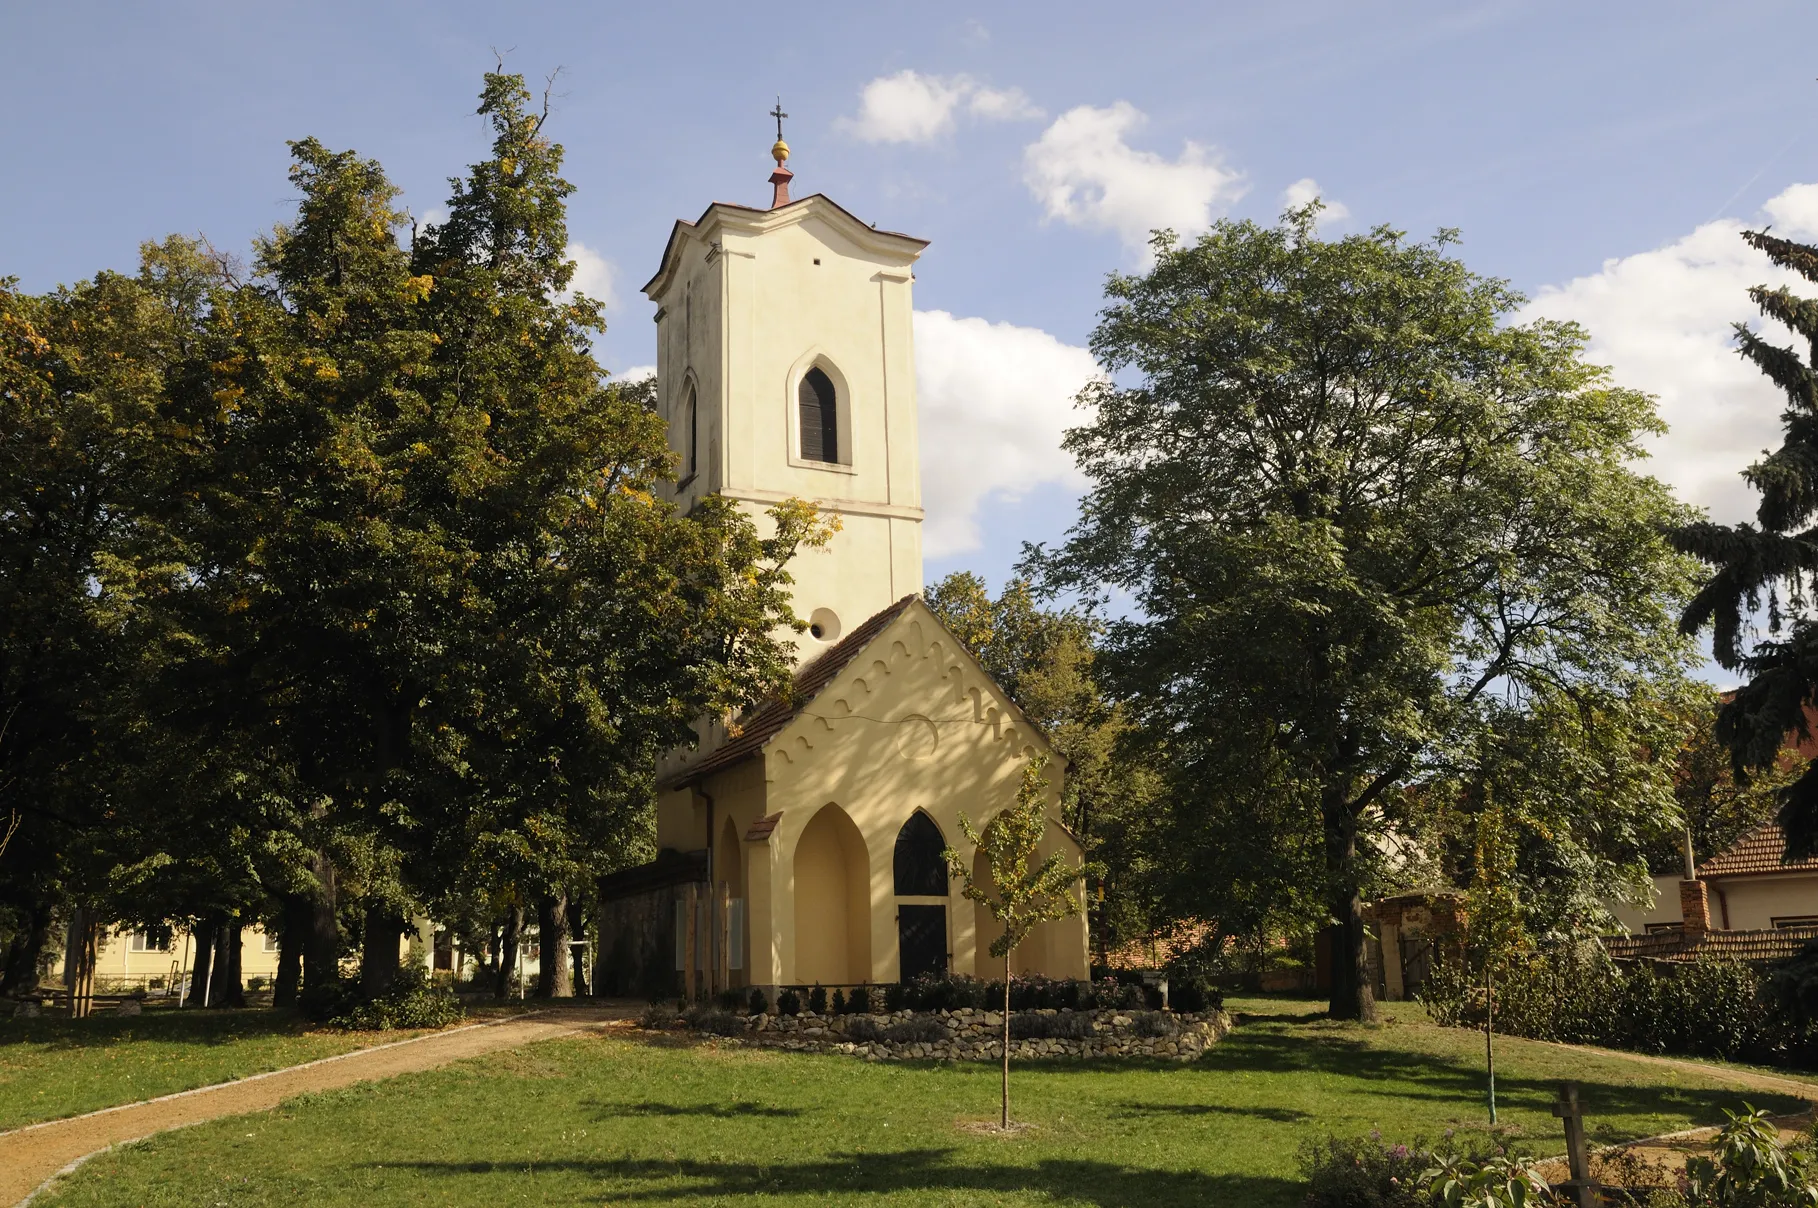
(693, 435)
(920, 870)
(819, 408)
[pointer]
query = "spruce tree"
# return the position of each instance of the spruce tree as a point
(1765, 573)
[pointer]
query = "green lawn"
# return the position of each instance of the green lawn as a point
(53, 1067)
(602, 1120)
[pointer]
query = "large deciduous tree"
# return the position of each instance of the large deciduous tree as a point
(1350, 501)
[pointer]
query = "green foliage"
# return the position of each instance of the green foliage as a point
(1363, 1172)
(714, 1020)
(817, 1000)
(1575, 994)
(758, 1003)
(1039, 1025)
(788, 1003)
(415, 1000)
(1021, 893)
(1351, 502)
(1748, 1167)
(1770, 566)
(1496, 1181)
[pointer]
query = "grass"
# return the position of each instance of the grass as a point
(620, 1121)
(53, 1067)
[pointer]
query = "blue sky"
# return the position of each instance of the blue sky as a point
(1603, 157)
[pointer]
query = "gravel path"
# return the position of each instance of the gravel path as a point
(32, 1156)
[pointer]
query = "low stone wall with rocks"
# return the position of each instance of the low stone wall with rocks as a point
(973, 1035)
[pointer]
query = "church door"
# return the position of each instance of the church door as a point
(921, 934)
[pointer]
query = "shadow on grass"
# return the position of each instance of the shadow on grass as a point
(717, 1111)
(199, 1026)
(1104, 1184)
(1279, 1115)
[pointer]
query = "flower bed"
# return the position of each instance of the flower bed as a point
(969, 1033)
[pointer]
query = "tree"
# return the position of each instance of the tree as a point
(1771, 566)
(1350, 502)
(1494, 922)
(1021, 894)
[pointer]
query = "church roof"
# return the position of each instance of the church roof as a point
(766, 721)
(753, 214)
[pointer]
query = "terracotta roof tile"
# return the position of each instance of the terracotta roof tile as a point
(760, 830)
(758, 726)
(1777, 944)
(1759, 851)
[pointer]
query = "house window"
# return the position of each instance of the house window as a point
(1795, 920)
(150, 939)
(1664, 928)
(921, 870)
(820, 417)
(270, 941)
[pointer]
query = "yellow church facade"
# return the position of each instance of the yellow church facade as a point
(801, 843)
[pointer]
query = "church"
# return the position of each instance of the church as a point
(801, 843)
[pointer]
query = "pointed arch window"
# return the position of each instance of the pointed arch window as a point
(920, 869)
(692, 435)
(818, 404)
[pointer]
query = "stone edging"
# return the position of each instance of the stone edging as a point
(975, 1035)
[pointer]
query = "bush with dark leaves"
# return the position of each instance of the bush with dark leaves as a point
(789, 1003)
(1154, 1024)
(1363, 1172)
(1039, 1025)
(864, 1029)
(715, 1021)
(757, 1004)
(817, 1000)
(414, 1001)
(919, 1029)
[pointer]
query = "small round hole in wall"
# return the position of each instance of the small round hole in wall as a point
(823, 625)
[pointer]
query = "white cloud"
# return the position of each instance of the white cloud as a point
(1661, 320)
(910, 107)
(995, 399)
(637, 373)
(594, 275)
(1002, 105)
(1306, 189)
(1084, 173)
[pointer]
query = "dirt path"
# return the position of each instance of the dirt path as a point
(32, 1155)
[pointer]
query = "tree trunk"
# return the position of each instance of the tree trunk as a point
(1352, 996)
(293, 936)
(1004, 1114)
(230, 987)
(322, 941)
(577, 924)
(19, 977)
(553, 962)
(203, 939)
(508, 952)
(79, 961)
(379, 951)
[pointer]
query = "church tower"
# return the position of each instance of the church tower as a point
(785, 368)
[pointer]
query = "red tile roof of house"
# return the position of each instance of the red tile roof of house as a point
(1777, 944)
(1757, 852)
(758, 726)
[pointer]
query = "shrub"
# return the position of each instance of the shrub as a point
(1362, 1172)
(757, 1004)
(1110, 994)
(657, 1016)
(1154, 1024)
(1062, 1025)
(838, 1006)
(727, 1000)
(789, 1003)
(863, 1028)
(1748, 1167)
(1708, 1007)
(920, 1029)
(716, 1021)
(896, 997)
(817, 1000)
(414, 1001)
(860, 1001)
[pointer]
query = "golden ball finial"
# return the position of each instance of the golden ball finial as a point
(780, 152)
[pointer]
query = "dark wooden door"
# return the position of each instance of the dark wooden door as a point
(921, 933)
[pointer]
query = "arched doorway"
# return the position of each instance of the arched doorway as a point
(832, 902)
(920, 871)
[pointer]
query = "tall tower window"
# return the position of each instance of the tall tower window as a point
(693, 435)
(820, 417)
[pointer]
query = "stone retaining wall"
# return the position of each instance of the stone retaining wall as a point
(976, 1035)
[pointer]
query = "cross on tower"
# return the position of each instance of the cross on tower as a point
(779, 115)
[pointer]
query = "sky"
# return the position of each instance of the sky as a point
(1603, 158)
